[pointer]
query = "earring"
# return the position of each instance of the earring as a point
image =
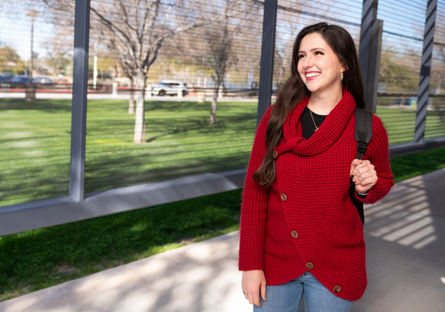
(341, 76)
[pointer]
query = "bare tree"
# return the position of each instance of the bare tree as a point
(135, 30)
(221, 38)
(140, 29)
(58, 49)
(131, 78)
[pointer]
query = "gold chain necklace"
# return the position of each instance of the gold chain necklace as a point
(316, 128)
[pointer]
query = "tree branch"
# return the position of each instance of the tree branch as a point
(126, 17)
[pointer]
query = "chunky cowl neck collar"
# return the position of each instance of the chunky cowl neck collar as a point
(326, 135)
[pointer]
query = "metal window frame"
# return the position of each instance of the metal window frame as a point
(369, 13)
(79, 102)
(369, 51)
(375, 50)
(79, 206)
(267, 57)
(425, 70)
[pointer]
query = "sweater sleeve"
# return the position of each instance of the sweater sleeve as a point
(378, 155)
(254, 206)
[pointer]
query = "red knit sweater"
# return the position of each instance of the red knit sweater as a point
(306, 221)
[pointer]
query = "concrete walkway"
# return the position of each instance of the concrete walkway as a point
(405, 236)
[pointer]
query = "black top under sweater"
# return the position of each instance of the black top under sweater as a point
(309, 129)
(307, 123)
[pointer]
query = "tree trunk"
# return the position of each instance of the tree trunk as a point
(214, 106)
(131, 101)
(139, 128)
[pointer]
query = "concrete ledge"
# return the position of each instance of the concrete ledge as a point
(28, 216)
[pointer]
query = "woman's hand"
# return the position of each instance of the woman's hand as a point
(365, 176)
(253, 283)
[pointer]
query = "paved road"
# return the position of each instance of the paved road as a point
(405, 236)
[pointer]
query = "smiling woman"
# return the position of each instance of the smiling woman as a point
(300, 230)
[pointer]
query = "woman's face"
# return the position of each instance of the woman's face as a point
(318, 65)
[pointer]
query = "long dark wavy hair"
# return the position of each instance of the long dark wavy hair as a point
(294, 89)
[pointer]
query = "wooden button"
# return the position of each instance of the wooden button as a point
(310, 265)
(294, 234)
(275, 155)
(337, 288)
(283, 197)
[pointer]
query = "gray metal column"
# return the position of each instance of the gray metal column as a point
(424, 82)
(373, 68)
(369, 13)
(79, 105)
(267, 57)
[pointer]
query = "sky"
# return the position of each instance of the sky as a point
(18, 34)
(400, 16)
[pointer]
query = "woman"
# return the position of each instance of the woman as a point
(300, 231)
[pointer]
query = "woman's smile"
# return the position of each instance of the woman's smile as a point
(311, 75)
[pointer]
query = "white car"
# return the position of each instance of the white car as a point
(169, 87)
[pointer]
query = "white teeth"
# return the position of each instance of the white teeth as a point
(312, 75)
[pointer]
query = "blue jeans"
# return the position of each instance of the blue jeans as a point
(287, 297)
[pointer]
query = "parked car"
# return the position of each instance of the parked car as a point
(5, 84)
(42, 80)
(7, 75)
(20, 81)
(169, 87)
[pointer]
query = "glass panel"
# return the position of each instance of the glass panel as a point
(216, 58)
(35, 114)
(400, 66)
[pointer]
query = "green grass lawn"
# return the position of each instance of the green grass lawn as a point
(35, 137)
(34, 160)
(34, 164)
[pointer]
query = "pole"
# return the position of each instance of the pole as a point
(31, 57)
(203, 64)
(95, 66)
(30, 91)
(33, 14)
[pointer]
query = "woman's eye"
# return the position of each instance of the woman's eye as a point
(300, 56)
(318, 53)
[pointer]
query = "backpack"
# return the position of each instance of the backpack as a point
(363, 135)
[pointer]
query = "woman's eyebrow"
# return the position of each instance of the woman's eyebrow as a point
(312, 50)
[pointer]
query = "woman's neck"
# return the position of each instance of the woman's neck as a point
(322, 103)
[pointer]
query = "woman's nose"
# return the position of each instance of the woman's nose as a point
(307, 62)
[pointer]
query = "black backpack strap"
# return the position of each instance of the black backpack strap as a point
(358, 204)
(363, 135)
(363, 130)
